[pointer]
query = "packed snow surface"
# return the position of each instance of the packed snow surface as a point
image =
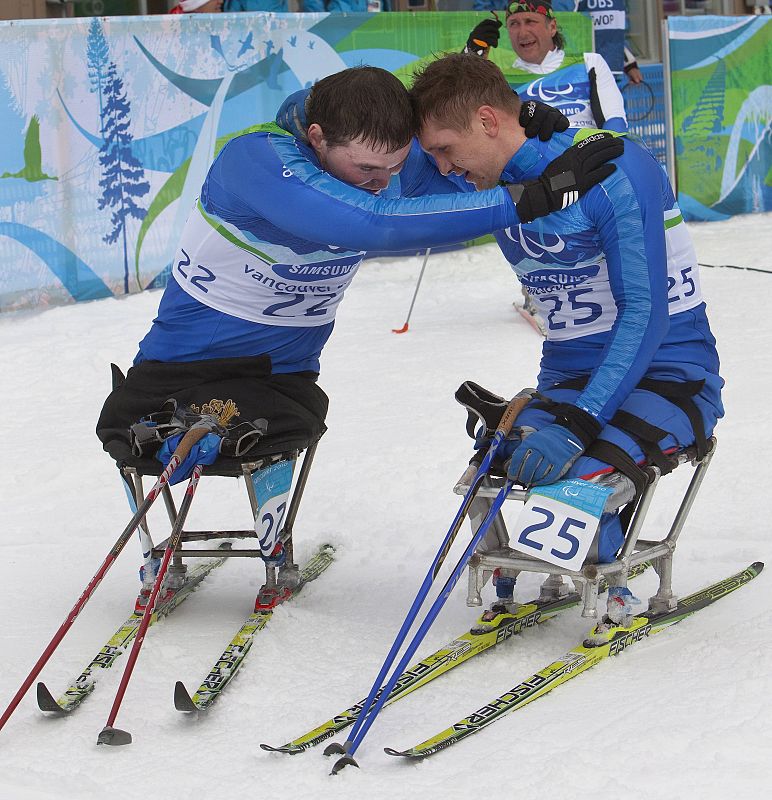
(687, 714)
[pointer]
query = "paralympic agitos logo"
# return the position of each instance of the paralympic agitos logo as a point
(319, 270)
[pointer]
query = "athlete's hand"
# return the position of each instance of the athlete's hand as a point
(483, 36)
(544, 456)
(539, 119)
(568, 177)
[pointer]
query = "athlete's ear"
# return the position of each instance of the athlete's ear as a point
(488, 119)
(315, 135)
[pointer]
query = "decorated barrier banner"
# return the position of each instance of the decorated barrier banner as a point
(109, 125)
(721, 78)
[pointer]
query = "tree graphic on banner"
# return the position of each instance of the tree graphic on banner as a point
(122, 174)
(98, 56)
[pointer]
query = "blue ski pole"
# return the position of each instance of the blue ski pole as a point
(513, 409)
(353, 742)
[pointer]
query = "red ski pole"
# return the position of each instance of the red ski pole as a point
(403, 329)
(174, 462)
(109, 734)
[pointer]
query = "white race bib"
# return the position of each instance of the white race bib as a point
(559, 521)
(259, 281)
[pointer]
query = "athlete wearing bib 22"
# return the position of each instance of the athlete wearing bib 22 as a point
(263, 270)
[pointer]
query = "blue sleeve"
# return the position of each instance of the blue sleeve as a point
(421, 176)
(616, 124)
(627, 210)
(272, 177)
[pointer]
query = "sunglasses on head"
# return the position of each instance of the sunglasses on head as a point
(533, 8)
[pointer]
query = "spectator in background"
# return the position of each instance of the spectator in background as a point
(582, 88)
(312, 6)
(278, 6)
(197, 7)
(631, 68)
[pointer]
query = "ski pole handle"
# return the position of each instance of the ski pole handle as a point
(195, 434)
(516, 405)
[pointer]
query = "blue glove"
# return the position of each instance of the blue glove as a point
(544, 456)
(204, 451)
(291, 115)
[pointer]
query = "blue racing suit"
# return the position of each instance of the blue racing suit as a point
(616, 283)
(274, 241)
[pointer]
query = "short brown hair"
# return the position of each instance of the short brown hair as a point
(362, 103)
(452, 88)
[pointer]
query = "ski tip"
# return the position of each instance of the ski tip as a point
(390, 751)
(182, 699)
(342, 763)
(757, 566)
(335, 749)
(47, 702)
(113, 736)
(285, 748)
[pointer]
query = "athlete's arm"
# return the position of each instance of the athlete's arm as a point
(271, 177)
(608, 107)
(628, 212)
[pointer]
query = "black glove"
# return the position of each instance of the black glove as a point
(484, 36)
(541, 120)
(568, 177)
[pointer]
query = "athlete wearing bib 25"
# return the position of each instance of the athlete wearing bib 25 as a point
(629, 357)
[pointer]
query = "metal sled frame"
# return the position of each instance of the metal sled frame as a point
(634, 550)
(231, 468)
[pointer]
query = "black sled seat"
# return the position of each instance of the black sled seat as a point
(265, 418)
(633, 490)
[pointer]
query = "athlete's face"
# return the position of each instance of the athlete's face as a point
(474, 153)
(531, 35)
(359, 163)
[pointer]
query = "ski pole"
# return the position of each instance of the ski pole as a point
(403, 329)
(734, 266)
(355, 739)
(513, 409)
(174, 462)
(110, 734)
(145, 540)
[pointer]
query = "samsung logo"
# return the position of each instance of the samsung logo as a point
(320, 270)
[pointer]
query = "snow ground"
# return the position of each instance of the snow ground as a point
(685, 715)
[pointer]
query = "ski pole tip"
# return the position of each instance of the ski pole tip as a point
(341, 763)
(403, 329)
(113, 736)
(335, 749)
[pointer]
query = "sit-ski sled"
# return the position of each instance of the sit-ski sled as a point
(485, 488)
(170, 582)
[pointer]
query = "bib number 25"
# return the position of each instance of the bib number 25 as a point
(555, 532)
